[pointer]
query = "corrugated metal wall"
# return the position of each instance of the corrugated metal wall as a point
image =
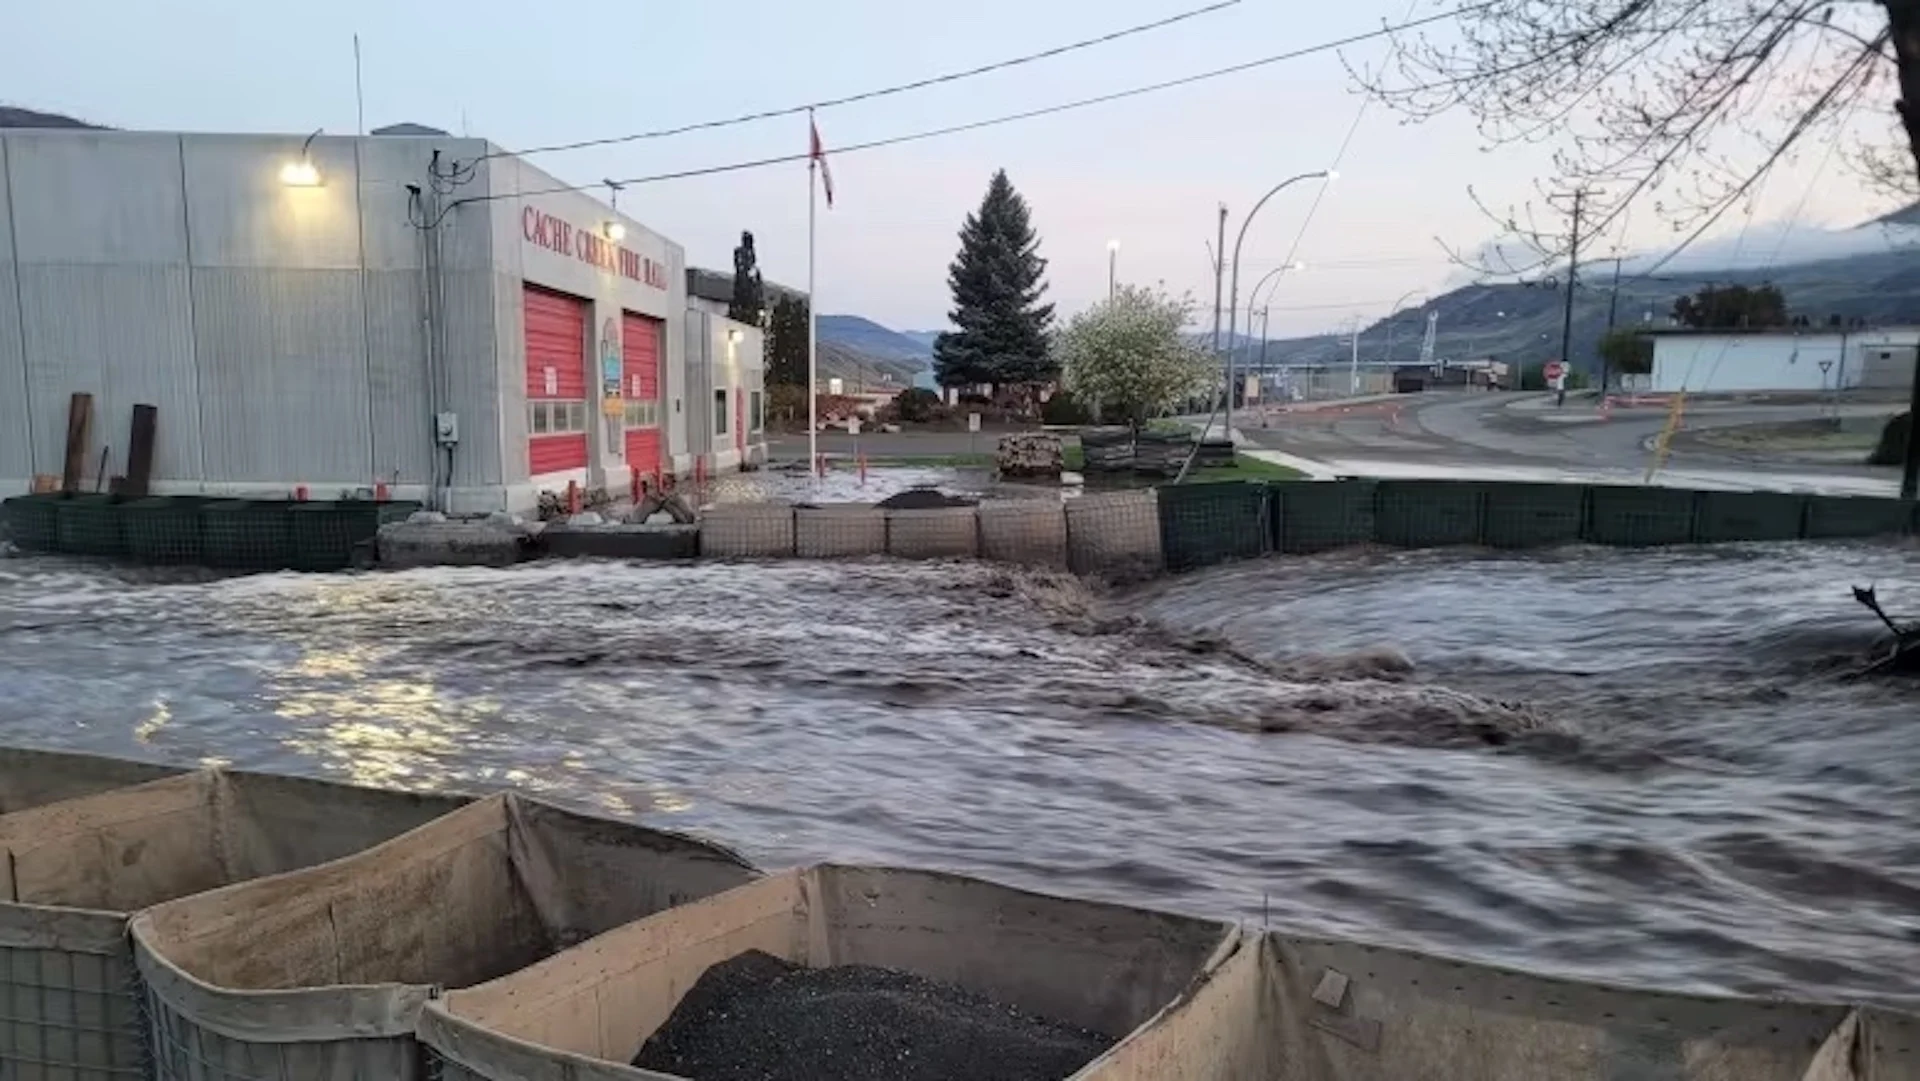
(279, 330)
(16, 440)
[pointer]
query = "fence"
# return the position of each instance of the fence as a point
(1138, 534)
(237, 534)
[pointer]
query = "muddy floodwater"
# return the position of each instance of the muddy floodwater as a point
(1643, 767)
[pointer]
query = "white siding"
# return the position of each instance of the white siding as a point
(1716, 363)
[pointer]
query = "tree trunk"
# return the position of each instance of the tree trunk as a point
(1903, 22)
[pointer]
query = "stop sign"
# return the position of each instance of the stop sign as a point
(1554, 369)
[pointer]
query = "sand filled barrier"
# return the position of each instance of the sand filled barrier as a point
(72, 870)
(963, 970)
(320, 973)
(1321, 1010)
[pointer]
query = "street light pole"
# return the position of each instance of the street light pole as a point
(1386, 358)
(1233, 303)
(1113, 268)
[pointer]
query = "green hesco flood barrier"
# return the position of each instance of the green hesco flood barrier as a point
(89, 525)
(1319, 516)
(247, 534)
(164, 529)
(1427, 513)
(326, 534)
(1533, 515)
(1748, 516)
(1204, 524)
(33, 521)
(1640, 517)
(1835, 517)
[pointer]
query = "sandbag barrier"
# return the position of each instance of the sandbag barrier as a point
(320, 973)
(72, 871)
(594, 929)
(583, 1014)
(233, 534)
(1305, 1009)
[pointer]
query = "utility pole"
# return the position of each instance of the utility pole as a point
(1566, 320)
(1910, 469)
(1219, 285)
(1613, 314)
(1354, 387)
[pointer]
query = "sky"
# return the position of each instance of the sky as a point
(1148, 172)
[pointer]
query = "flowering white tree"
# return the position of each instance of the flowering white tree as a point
(1131, 355)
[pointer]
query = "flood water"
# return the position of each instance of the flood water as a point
(1643, 767)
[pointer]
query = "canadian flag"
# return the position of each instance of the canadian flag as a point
(819, 155)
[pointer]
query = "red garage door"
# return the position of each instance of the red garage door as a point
(557, 412)
(640, 341)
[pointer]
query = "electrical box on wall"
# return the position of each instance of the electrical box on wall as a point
(446, 429)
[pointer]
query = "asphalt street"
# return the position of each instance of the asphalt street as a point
(1526, 437)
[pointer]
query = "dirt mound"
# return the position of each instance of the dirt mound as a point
(759, 1018)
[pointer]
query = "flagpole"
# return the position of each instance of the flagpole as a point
(813, 308)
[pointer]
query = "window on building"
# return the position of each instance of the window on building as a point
(643, 414)
(755, 403)
(720, 412)
(556, 418)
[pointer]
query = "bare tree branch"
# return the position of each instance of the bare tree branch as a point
(1671, 101)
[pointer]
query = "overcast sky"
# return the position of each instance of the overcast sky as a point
(1147, 172)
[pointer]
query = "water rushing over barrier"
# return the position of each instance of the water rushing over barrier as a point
(1639, 767)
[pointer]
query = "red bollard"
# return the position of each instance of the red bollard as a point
(573, 497)
(633, 487)
(700, 471)
(379, 491)
(299, 493)
(863, 471)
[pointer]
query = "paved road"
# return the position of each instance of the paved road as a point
(1525, 436)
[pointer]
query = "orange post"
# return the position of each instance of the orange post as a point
(380, 491)
(573, 497)
(863, 470)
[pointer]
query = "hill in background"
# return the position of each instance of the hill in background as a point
(13, 117)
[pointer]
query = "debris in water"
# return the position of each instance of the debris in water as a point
(759, 1018)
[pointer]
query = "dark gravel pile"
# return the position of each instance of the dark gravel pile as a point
(759, 1018)
(925, 499)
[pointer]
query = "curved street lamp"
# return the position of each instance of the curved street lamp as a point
(1253, 302)
(1386, 357)
(1233, 300)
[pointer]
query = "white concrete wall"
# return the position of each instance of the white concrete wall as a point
(717, 361)
(1715, 363)
(642, 272)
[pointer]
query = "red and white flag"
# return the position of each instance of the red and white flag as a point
(819, 155)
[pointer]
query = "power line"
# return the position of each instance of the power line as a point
(1028, 114)
(885, 91)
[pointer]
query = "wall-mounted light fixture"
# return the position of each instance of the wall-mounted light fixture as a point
(301, 173)
(616, 232)
(734, 335)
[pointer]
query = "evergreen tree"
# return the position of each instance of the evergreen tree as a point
(997, 282)
(749, 301)
(787, 343)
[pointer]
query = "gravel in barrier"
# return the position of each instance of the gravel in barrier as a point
(759, 1018)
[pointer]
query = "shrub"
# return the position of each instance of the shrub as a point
(1893, 441)
(918, 405)
(1064, 408)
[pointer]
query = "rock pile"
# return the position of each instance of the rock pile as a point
(1030, 454)
(759, 1018)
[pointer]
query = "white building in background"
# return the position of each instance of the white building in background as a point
(1783, 359)
(321, 312)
